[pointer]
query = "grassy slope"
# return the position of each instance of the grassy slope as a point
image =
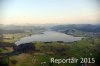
(81, 48)
(77, 49)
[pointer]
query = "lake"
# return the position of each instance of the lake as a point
(48, 36)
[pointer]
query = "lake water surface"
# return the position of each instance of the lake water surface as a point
(48, 36)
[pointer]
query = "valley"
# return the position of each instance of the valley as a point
(38, 52)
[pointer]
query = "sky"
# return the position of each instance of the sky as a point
(48, 11)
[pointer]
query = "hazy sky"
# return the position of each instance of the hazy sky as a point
(48, 11)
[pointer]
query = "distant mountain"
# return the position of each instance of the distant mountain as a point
(44, 27)
(20, 28)
(81, 27)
